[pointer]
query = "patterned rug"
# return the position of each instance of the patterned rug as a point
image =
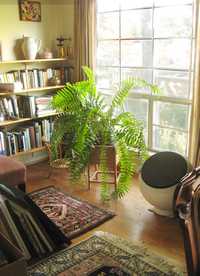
(73, 216)
(105, 254)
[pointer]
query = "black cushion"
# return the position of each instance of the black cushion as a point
(164, 169)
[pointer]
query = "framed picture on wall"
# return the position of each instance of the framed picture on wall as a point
(30, 11)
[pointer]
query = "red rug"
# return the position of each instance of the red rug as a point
(72, 215)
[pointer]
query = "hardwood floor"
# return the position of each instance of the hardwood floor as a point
(133, 220)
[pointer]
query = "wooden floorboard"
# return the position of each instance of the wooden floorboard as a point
(133, 219)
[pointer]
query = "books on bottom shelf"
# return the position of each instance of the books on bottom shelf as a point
(25, 138)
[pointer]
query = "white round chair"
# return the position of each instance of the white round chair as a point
(159, 177)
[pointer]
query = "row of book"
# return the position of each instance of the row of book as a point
(23, 223)
(9, 108)
(33, 106)
(13, 107)
(25, 138)
(36, 78)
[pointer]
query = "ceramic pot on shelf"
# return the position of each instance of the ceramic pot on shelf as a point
(30, 47)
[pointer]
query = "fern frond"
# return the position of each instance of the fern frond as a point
(127, 169)
(122, 93)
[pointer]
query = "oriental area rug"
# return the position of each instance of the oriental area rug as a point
(73, 216)
(105, 254)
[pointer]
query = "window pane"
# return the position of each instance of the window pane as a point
(108, 53)
(172, 83)
(139, 108)
(170, 114)
(168, 139)
(137, 73)
(108, 25)
(130, 4)
(107, 77)
(172, 53)
(108, 99)
(107, 5)
(136, 23)
(171, 2)
(136, 53)
(173, 21)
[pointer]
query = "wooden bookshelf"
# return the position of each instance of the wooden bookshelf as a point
(26, 65)
(24, 61)
(29, 151)
(31, 90)
(23, 120)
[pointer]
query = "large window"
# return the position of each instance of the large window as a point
(153, 40)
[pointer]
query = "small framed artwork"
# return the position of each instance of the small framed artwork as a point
(30, 11)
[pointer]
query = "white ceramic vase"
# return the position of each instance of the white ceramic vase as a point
(30, 47)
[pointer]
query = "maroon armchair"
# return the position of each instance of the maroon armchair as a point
(12, 172)
(187, 210)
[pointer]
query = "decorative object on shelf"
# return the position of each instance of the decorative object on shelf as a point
(46, 53)
(86, 120)
(30, 47)
(61, 48)
(30, 11)
(54, 81)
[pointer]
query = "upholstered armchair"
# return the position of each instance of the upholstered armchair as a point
(12, 172)
(187, 209)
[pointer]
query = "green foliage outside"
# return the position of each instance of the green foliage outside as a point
(86, 120)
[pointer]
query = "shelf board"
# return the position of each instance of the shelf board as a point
(28, 151)
(23, 120)
(40, 89)
(33, 60)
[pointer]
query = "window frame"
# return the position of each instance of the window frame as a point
(149, 97)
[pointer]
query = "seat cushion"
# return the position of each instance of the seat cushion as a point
(12, 172)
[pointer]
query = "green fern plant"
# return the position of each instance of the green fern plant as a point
(86, 120)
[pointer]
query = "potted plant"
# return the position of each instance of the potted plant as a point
(86, 120)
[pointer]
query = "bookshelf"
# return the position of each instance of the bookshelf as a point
(29, 151)
(24, 120)
(8, 126)
(31, 90)
(28, 61)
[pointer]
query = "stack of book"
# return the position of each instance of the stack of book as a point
(25, 138)
(23, 223)
(33, 106)
(35, 78)
(9, 108)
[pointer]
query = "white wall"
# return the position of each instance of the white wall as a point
(57, 19)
